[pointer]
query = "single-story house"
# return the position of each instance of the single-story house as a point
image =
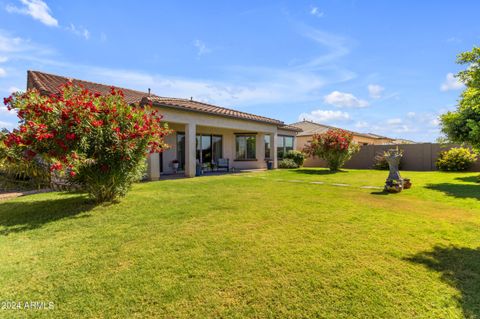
(203, 133)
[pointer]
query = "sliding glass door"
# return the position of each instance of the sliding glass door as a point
(208, 149)
(181, 151)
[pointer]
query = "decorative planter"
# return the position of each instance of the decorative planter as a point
(393, 188)
(406, 183)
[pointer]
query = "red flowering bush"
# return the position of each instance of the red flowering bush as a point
(97, 142)
(335, 146)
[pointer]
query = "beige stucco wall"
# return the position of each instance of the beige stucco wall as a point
(217, 125)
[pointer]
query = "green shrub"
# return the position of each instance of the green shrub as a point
(456, 159)
(296, 156)
(287, 163)
(380, 162)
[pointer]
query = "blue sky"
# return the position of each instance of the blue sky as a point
(371, 66)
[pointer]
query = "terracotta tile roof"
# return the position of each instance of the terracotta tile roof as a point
(197, 106)
(50, 83)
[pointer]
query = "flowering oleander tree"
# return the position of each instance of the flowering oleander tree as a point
(98, 142)
(335, 146)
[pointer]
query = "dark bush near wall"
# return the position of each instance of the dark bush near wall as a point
(296, 156)
(381, 163)
(456, 159)
(287, 163)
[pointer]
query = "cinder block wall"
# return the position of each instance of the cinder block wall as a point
(416, 157)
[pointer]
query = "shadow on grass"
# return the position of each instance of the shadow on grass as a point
(460, 268)
(316, 171)
(380, 193)
(22, 216)
(457, 190)
(469, 179)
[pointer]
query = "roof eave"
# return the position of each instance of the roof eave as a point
(147, 101)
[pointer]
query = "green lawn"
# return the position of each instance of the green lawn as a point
(264, 245)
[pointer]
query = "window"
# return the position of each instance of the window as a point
(245, 146)
(267, 146)
(284, 145)
(216, 148)
(280, 147)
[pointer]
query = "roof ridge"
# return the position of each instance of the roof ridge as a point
(219, 107)
(35, 73)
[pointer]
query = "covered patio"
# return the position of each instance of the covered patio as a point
(215, 138)
(214, 149)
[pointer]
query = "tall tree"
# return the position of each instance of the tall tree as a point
(463, 124)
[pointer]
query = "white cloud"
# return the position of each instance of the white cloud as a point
(412, 123)
(451, 83)
(394, 121)
(9, 125)
(37, 9)
(336, 46)
(202, 48)
(16, 48)
(2, 72)
(5, 111)
(375, 91)
(361, 124)
(79, 31)
(13, 89)
(324, 116)
(316, 12)
(11, 44)
(341, 99)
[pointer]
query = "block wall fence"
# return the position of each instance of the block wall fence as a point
(416, 157)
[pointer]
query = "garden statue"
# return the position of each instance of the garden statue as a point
(394, 183)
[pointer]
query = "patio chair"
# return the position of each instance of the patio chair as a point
(223, 164)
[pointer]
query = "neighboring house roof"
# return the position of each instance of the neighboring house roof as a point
(310, 128)
(378, 136)
(290, 128)
(403, 141)
(50, 83)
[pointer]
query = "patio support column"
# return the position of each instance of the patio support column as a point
(190, 147)
(273, 143)
(153, 164)
(260, 149)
